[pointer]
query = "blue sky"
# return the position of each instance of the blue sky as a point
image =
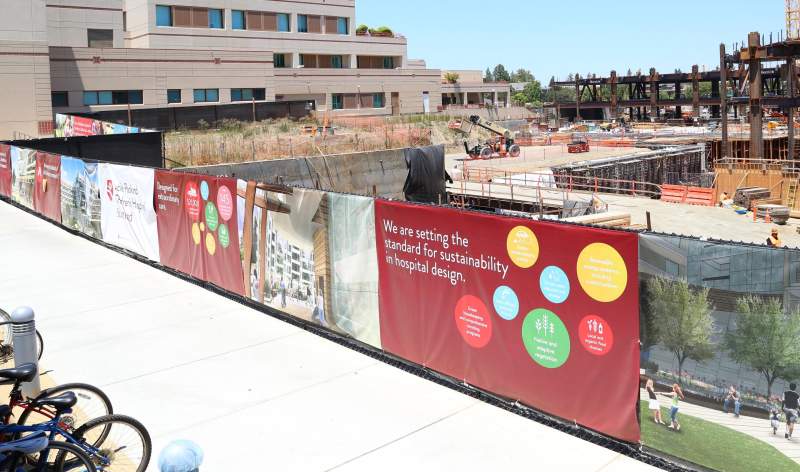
(556, 38)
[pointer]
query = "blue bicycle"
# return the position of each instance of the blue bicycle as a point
(112, 442)
(11, 452)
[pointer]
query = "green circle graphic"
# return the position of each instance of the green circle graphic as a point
(546, 338)
(212, 216)
(224, 236)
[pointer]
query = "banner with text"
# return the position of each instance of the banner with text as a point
(5, 170)
(197, 227)
(47, 190)
(539, 312)
(128, 219)
(68, 126)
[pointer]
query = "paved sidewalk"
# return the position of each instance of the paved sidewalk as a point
(254, 392)
(757, 428)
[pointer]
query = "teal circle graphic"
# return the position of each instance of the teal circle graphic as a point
(554, 284)
(204, 190)
(506, 302)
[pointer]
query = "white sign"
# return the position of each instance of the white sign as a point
(128, 218)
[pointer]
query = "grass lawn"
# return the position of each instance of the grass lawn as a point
(713, 446)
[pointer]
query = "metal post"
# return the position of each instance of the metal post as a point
(791, 79)
(723, 101)
(756, 116)
(23, 329)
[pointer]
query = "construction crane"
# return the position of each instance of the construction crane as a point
(502, 145)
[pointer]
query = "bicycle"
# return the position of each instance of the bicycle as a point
(13, 453)
(96, 438)
(6, 339)
(92, 402)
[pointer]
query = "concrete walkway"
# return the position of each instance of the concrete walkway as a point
(755, 427)
(256, 393)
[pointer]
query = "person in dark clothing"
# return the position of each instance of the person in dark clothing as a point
(790, 405)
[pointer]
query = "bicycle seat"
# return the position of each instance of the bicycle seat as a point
(62, 402)
(28, 445)
(23, 373)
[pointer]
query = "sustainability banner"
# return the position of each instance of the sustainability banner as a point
(5, 170)
(197, 234)
(546, 314)
(80, 196)
(128, 219)
(47, 191)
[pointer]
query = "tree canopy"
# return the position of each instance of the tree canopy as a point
(766, 339)
(683, 318)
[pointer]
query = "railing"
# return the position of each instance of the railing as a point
(569, 183)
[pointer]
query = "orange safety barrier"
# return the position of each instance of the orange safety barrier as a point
(700, 196)
(673, 193)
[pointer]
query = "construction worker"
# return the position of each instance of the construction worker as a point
(774, 240)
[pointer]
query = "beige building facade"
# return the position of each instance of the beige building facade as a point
(72, 56)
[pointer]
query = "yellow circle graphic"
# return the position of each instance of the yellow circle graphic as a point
(196, 233)
(211, 243)
(602, 272)
(202, 226)
(523, 247)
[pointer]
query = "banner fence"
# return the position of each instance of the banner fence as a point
(547, 314)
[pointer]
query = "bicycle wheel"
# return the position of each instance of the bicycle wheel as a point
(7, 342)
(64, 457)
(92, 403)
(123, 442)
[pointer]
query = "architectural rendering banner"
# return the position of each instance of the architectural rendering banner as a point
(542, 313)
(80, 196)
(23, 175)
(47, 190)
(128, 219)
(197, 227)
(5, 170)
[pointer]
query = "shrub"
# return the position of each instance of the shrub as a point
(362, 29)
(451, 77)
(202, 124)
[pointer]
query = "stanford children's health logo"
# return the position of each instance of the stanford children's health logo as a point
(110, 189)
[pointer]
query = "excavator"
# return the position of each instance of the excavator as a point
(500, 146)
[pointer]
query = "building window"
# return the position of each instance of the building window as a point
(115, 97)
(302, 23)
(248, 94)
(302, 60)
(238, 21)
(336, 62)
(174, 96)
(100, 38)
(215, 18)
(59, 99)
(388, 62)
(279, 60)
(378, 100)
(163, 15)
(341, 26)
(206, 95)
(337, 101)
(283, 22)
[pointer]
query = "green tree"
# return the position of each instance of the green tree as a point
(522, 75)
(648, 328)
(683, 317)
(765, 338)
(501, 74)
(451, 77)
(488, 76)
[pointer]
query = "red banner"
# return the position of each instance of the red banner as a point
(84, 127)
(543, 313)
(197, 227)
(47, 190)
(5, 170)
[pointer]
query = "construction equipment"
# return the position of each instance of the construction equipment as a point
(578, 145)
(500, 146)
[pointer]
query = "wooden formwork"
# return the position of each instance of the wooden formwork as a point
(773, 176)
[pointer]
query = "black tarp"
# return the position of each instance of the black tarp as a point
(426, 175)
(141, 149)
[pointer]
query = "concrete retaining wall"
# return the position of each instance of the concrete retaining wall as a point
(382, 171)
